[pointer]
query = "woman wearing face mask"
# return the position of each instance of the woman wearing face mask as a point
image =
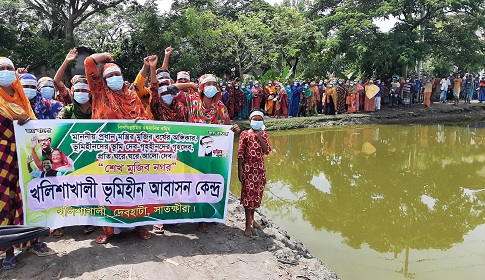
(111, 99)
(281, 101)
(183, 77)
(253, 145)
(139, 85)
(330, 99)
(29, 84)
(164, 106)
(14, 105)
(257, 92)
(162, 103)
(81, 106)
(206, 106)
(46, 106)
(248, 104)
(239, 100)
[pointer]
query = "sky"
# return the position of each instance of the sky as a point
(384, 25)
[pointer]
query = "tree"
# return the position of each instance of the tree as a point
(423, 31)
(248, 39)
(71, 13)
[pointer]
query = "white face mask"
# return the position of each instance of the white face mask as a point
(257, 125)
(30, 92)
(210, 91)
(81, 97)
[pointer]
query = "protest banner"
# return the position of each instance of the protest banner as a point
(123, 174)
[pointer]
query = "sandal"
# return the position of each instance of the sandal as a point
(103, 238)
(142, 233)
(158, 229)
(41, 250)
(58, 233)
(9, 264)
(89, 229)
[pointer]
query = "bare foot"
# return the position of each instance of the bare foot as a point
(256, 225)
(202, 227)
(248, 232)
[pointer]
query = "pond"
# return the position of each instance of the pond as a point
(382, 202)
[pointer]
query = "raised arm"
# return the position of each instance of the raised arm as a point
(70, 57)
(140, 81)
(146, 66)
(152, 62)
(168, 52)
(35, 157)
(95, 80)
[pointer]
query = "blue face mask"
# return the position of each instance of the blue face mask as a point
(257, 125)
(210, 91)
(81, 97)
(6, 78)
(167, 98)
(30, 92)
(115, 82)
(47, 92)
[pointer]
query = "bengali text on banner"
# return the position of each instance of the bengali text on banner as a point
(123, 174)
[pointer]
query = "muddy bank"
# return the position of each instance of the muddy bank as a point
(181, 253)
(437, 113)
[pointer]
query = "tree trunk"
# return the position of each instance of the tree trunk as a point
(241, 75)
(70, 32)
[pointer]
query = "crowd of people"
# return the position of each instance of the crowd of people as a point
(102, 93)
(340, 96)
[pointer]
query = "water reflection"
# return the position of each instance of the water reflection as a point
(391, 188)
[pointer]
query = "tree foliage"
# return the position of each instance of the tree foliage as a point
(239, 37)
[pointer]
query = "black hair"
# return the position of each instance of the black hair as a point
(204, 137)
(256, 110)
(50, 160)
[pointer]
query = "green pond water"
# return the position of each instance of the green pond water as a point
(382, 202)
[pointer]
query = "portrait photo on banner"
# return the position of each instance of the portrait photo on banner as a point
(213, 146)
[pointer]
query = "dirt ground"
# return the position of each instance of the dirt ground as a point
(181, 253)
(223, 253)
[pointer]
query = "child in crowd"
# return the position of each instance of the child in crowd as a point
(253, 145)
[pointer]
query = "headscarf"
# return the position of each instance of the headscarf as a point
(12, 107)
(45, 82)
(6, 61)
(74, 79)
(64, 164)
(77, 112)
(183, 75)
(205, 79)
(28, 80)
(109, 68)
